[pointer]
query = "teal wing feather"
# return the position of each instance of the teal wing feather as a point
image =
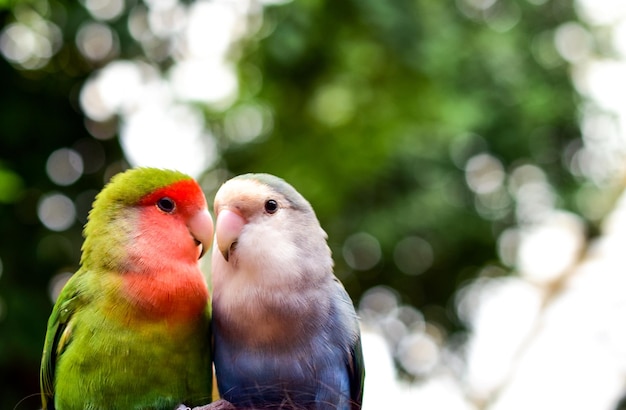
(58, 336)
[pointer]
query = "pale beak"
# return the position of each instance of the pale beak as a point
(200, 226)
(228, 227)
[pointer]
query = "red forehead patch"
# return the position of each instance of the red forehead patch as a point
(185, 193)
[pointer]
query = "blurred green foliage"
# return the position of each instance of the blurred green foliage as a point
(374, 106)
(377, 106)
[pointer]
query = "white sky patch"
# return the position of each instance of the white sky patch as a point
(384, 390)
(214, 20)
(551, 247)
(601, 12)
(177, 140)
(501, 314)
(204, 81)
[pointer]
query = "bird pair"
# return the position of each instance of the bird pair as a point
(136, 327)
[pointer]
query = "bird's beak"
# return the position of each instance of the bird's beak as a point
(228, 227)
(200, 226)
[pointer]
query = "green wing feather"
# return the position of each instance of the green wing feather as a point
(58, 336)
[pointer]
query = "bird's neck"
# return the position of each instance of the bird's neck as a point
(178, 295)
(256, 316)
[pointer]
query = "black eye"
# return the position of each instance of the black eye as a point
(271, 206)
(166, 205)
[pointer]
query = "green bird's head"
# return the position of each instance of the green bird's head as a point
(145, 217)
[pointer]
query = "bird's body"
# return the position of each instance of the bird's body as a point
(286, 333)
(131, 328)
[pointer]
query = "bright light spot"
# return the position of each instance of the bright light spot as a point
(533, 194)
(19, 43)
(393, 329)
(379, 309)
(601, 12)
(124, 84)
(116, 88)
(481, 4)
(160, 4)
(619, 38)
(273, 2)
(548, 249)
(598, 165)
(168, 136)
(413, 255)
(384, 389)
(91, 102)
(56, 285)
(104, 9)
(378, 302)
(534, 201)
(30, 45)
(333, 105)
(380, 370)
(600, 128)
(582, 322)
(503, 16)
(165, 22)
(604, 82)
(602, 155)
(572, 42)
(508, 243)
(216, 21)
(412, 318)
(138, 24)
(523, 175)
(361, 251)
(493, 205)
(484, 173)
(204, 81)
(501, 313)
(438, 392)
(100, 130)
(56, 212)
(96, 41)
(418, 353)
(64, 166)
(247, 122)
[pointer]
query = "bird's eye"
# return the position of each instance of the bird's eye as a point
(166, 205)
(271, 206)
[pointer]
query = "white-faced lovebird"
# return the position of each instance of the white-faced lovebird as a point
(286, 334)
(131, 328)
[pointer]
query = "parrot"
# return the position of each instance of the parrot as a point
(285, 331)
(131, 327)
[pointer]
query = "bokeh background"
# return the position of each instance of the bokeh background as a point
(465, 157)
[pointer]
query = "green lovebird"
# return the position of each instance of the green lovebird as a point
(131, 328)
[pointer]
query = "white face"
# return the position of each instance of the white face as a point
(261, 249)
